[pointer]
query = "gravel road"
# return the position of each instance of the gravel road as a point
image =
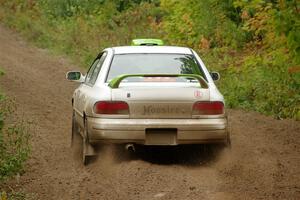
(263, 163)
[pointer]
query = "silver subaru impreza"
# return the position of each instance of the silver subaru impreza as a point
(147, 94)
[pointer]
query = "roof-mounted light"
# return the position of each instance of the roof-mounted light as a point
(147, 42)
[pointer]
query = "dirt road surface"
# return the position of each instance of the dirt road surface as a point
(263, 163)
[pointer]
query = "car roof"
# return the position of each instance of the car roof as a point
(151, 49)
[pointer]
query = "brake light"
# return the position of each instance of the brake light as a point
(111, 107)
(208, 108)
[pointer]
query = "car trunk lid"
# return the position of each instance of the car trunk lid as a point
(160, 100)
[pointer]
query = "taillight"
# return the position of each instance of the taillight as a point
(111, 107)
(208, 108)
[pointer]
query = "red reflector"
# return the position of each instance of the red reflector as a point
(208, 108)
(111, 107)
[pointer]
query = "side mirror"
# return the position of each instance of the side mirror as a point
(215, 76)
(75, 76)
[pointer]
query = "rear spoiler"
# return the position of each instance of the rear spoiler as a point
(115, 82)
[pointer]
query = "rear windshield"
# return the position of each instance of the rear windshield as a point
(153, 64)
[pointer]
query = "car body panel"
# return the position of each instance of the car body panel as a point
(187, 131)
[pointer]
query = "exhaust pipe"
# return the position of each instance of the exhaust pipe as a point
(130, 147)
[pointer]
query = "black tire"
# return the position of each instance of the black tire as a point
(228, 139)
(75, 131)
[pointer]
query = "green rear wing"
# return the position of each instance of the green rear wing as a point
(115, 82)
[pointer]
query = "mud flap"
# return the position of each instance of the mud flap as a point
(88, 149)
(228, 129)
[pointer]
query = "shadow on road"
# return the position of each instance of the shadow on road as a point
(188, 155)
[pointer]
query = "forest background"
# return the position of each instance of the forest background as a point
(255, 45)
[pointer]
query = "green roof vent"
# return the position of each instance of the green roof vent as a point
(147, 42)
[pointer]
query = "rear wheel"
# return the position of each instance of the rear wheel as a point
(228, 141)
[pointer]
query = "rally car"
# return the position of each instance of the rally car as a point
(147, 94)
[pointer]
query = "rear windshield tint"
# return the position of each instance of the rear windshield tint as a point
(153, 64)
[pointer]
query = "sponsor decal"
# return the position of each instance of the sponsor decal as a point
(197, 94)
(150, 110)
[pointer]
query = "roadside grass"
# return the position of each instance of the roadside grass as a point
(80, 37)
(16, 195)
(14, 148)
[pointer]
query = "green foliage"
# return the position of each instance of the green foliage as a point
(287, 22)
(82, 28)
(14, 150)
(193, 22)
(65, 9)
(274, 79)
(262, 86)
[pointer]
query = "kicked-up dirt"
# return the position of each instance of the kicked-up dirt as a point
(263, 163)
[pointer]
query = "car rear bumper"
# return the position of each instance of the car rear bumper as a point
(157, 131)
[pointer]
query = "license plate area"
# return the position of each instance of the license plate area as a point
(161, 136)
